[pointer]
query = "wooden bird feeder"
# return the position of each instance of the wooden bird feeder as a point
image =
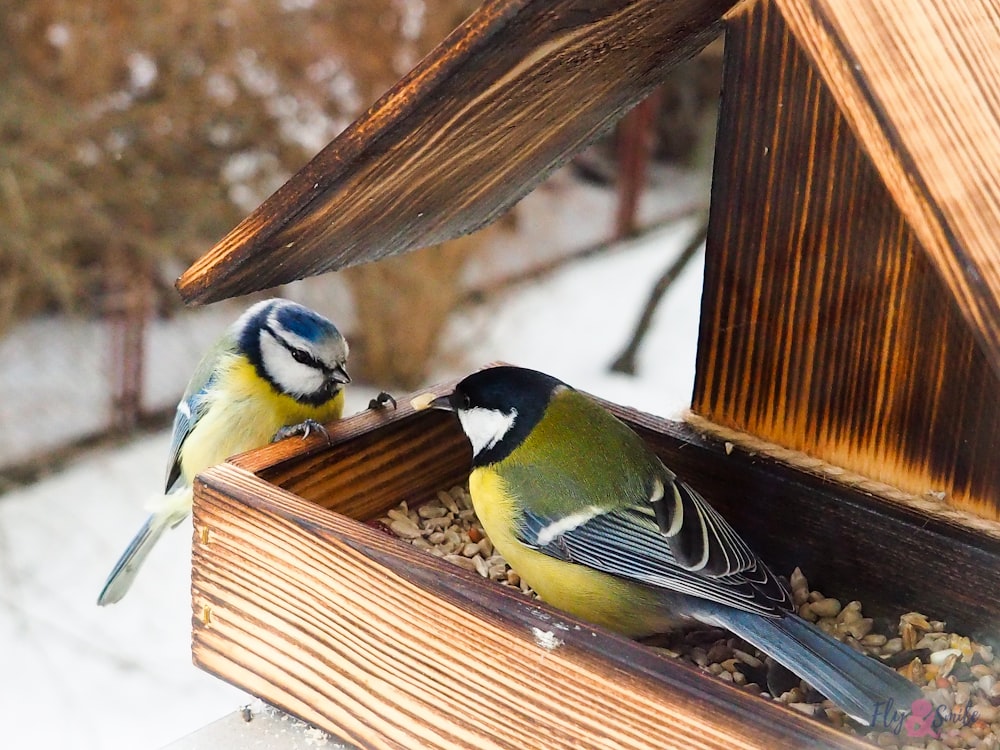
(846, 411)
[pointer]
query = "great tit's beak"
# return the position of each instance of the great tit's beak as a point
(429, 401)
(442, 402)
(339, 375)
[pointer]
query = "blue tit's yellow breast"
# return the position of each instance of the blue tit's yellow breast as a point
(614, 603)
(243, 413)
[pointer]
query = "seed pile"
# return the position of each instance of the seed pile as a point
(959, 676)
(446, 526)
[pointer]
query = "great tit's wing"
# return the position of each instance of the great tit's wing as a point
(629, 542)
(622, 473)
(195, 402)
(700, 538)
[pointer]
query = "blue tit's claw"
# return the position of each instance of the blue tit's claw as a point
(381, 401)
(304, 428)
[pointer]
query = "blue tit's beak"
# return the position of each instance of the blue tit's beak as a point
(339, 375)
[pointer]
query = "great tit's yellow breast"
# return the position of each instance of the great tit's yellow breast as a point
(627, 608)
(244, 413)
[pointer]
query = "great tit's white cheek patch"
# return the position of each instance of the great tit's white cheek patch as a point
(290, 375)
(486, 427)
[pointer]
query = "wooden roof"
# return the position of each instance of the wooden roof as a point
(520, 87)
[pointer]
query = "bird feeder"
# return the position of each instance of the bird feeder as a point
(845, 414)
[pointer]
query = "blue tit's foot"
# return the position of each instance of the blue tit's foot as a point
(381, 401)
(304, 428)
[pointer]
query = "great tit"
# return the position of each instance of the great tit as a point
(594, 522)
(279, 370)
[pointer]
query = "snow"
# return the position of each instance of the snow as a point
(77, 402)
(577, 322)
(75, 675)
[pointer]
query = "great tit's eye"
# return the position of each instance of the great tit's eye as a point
(464, 401)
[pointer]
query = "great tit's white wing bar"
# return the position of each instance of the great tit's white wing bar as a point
(629, 543)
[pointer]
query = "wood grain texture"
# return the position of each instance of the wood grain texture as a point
(825, 326)
(388, 647)
(509, 96)
(919, 83)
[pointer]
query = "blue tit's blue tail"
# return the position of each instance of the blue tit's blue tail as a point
(861, 685)
(173, 509)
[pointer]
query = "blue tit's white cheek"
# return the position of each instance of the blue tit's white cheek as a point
(486, 427)
(290, 375)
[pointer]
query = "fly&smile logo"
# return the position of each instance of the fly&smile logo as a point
(922, 719)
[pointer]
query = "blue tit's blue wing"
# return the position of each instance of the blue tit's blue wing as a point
(633, 542)
(195, 402)
(189, 411)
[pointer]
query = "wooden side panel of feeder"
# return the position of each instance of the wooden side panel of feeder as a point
(825, 329)
(919, 82)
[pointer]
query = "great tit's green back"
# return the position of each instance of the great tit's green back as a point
(577, 451)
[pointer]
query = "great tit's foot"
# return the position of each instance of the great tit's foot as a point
(304, 428)
(382, 400)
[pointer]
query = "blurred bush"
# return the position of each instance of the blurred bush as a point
(136, 134)
(145, 131)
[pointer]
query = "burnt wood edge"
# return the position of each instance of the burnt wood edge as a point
(654, 429)
(298, 193)
(340, 431)
(650, 672)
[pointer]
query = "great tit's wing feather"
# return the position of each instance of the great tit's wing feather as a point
(195, 402)
(629, 543)
(639, 522)
(700, 538)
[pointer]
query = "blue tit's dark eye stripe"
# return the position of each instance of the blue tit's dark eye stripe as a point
(303, 357)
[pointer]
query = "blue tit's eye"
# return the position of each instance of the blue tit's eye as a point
(303, 357)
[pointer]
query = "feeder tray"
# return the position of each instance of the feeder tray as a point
(300, 602)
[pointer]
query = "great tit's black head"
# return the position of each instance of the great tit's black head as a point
(298, 351)
(499, 407)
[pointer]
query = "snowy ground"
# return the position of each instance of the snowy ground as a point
(74, 675)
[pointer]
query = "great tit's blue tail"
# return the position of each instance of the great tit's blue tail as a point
(173, 509)
(861, 685)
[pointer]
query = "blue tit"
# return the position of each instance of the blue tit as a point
(278, 370)
(594, 522)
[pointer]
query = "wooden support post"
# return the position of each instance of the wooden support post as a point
(126, 310)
